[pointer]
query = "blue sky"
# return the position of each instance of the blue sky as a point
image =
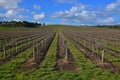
(71, 12)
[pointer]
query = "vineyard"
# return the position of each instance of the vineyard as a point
(60, 53)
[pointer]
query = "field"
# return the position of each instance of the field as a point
(59, 53)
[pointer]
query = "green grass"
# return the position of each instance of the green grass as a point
(18, 47)
(113, 59)
(8, 70)
(44, 69)
(7, 28)
(88, 70)
(47, 67)
(114, 48)
(12, 49)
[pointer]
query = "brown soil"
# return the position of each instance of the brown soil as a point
(29, 64)
(62, 62)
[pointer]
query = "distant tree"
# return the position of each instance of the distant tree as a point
(19, 24)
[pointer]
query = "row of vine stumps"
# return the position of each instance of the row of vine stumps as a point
(39, 51)
(65, 59)
(93, 56)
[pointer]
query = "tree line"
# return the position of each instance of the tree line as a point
(20, 24)
(108, 26)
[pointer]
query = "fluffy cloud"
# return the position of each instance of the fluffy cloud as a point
(59, 14)
(113, 6)
(68, 13)
(11, 10)
(36, 7)
(81, 14)
(77, 14)
(10, 13)
(20, 18)
(108, 20)
(39, 16)
(77, 8)
(67, 1)
(8, 4)
(74, 9)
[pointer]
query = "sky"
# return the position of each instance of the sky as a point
(69, 12)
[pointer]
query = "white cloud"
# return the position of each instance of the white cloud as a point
(69, 13)
(39, 16)
(67, 1)
(11, 9)
(111, 6)
(13, 12)
(84, 13)
(10, 13)
(9, 4)
(108, 20)
(75, 15)
(74, 9)
(58, 14)
(77, 8)
(36, 7)
(20, 18)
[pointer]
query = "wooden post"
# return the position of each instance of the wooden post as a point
(37, 52)
(27, 41)
(4, 51)
(33, 50)
(103, 55)
(93, 49)
(12, 40)
(45, 41)
(66, 54)
(16, 47)
(42, 42)
(34, 53)
(20, 45)
(0, 44)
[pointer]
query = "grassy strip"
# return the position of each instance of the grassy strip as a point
(8, 70)
(108, 56)
(88, 70)
(113, 59)
(48, 64)
(46, 70)
(18, 47)
(7, 28)
(114, 48)
(12, 49)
